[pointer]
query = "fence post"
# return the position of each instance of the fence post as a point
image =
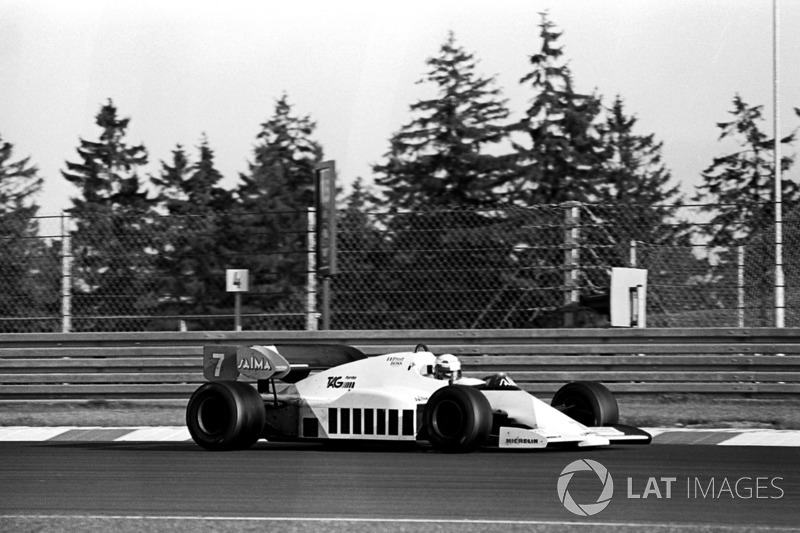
(740, 285)
(571, 251)
(66, 273)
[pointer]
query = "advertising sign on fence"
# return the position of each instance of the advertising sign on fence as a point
(628, 297)
(325, 188)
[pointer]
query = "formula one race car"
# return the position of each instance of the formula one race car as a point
(407, 396)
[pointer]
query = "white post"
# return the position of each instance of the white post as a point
(312, 315)
(740, 285)
(633, 254)
(641, 302)
(571, 252)
(779, 280)
(237, 312)
(66, 274)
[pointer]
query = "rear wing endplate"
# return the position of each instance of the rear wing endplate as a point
(227, 363)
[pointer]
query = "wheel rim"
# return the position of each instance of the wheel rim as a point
(448, 419)
(579, 410)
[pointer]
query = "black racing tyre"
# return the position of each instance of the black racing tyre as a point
(225, 415)
(587, 402)
(458, 419)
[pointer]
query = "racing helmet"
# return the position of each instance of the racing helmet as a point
(447, 366)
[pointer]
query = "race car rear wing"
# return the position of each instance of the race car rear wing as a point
(227, 362)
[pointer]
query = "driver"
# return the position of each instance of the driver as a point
(447, 367)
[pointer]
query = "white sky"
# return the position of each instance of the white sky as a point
(182, 68)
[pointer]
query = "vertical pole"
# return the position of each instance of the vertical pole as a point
(740, 285)
(571, 252)
(779, 280)
(641, 302)
(633, 253)
(326, 302)
(325, 186)
(237, 311)
(66, 274)
(311, 299)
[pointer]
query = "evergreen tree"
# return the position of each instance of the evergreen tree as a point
(19, 182)
(24, 284)
(440, 166)
(107, 175)
(563, 152)
(737, 192)
(632, 170)
(743, 180)
(195, 235)
(273, 201)
(114, 230)
(634, 199)
(360, 287)
(186, 189)
(171, 183)
(440, 158)
(281, 177)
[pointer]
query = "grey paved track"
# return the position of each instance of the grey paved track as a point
(309, 481)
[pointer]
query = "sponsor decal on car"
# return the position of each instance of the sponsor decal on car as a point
(339, 382)
(395, 360)
(254, 362)
(521, 438)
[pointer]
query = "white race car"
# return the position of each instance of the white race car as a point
(407, 396)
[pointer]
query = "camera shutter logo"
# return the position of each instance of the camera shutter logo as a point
(586, 509)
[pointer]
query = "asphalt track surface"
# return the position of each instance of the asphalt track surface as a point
(740, 487)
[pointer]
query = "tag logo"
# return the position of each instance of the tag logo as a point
(338, 382)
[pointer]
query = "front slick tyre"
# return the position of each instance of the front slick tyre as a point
(458, 419)
(587, 402)
(225, 415)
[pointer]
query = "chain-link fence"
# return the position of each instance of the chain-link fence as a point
(459, 268)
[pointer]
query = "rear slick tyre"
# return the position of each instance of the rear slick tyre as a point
(225, 415)
(458, 419)
(587, 402)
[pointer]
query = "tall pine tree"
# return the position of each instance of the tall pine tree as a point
(742, 181)
(634, 199)
(107, 175)
(195, 236)
(632, 169)
(363, 261)
(738, 193)
(442, 167)
(441, 157)
(557, 143)
(192, 188)
(113, 243)
(24, 282)
(273, 201)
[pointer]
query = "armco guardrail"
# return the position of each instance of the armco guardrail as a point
(751, 362)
